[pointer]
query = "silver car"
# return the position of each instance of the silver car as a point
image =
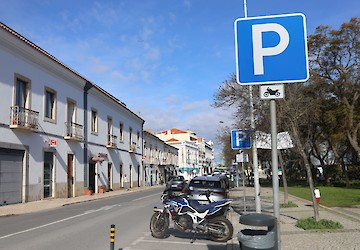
(199, 186)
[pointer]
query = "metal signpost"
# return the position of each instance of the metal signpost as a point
(242, 158)
(240, 139)
(271, 49)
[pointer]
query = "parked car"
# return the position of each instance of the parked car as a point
(215, 186)
(225, 177)
(175, 183)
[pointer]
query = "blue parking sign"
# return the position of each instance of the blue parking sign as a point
(240, 139)
(271, 49)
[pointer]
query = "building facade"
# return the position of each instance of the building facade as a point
(160, 159)
(195, 155)
(60, 133)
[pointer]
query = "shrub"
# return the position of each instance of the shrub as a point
(287, 205)
(310, 223)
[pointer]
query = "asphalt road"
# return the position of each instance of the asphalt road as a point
(87, 226)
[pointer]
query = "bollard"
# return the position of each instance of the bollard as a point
(112, 237)
(317, 195)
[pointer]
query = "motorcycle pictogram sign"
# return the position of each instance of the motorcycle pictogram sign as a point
(272, 91)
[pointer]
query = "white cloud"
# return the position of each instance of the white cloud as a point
(119, 76)
(197, 105)
(153, 54)
(187, 3)
(98, 66)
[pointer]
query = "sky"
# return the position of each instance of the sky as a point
(164, 59)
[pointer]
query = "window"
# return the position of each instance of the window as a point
(50, 104)
(121, 132)
(110, 126)
(22, 93)
(138, 139)
(94, 121)
(130, 136)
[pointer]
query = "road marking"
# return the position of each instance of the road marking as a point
(137, 241)
(176, 242)
(141, 198)
(58, 221)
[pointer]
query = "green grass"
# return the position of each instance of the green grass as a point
(287, 205)
(310, 223)
(330, 196)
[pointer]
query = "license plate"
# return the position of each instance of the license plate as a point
(174, 186)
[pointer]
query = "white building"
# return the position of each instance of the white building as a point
(60, 133)
(194, 156)
(160, 159)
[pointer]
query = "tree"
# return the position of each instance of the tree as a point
(323, 114)
(334, 61)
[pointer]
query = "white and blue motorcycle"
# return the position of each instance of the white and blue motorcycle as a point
(189, 216)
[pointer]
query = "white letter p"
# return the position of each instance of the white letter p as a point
(259, 52)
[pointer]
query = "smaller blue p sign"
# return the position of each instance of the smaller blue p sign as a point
(240, 139)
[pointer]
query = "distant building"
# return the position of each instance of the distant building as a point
(160, 159)
(195, 155)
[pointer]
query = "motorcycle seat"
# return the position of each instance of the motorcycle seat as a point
(203, 207)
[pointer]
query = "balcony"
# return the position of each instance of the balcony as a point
(111, 141)
(74, 131)
(132, 147)
(23, 118)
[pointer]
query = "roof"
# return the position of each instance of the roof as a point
(172, 140)
(173, 131)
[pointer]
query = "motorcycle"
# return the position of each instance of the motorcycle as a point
(190, 216)
(269, 91)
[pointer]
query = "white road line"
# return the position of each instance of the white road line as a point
(176, 242)
(145, 197)
(137, 241)
(54, 222)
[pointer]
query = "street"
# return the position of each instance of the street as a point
(87, 226)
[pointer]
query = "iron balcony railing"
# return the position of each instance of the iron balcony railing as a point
(23, 118)
(111, 141)
(74, 131)
(132, 147)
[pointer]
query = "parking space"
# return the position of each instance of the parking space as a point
(176, 239)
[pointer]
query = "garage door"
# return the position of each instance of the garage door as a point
(10, 176)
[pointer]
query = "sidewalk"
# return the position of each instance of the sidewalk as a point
(292, 237)
(34, 206)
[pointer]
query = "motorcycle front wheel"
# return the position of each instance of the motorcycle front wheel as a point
(159, 225)
(220, 229)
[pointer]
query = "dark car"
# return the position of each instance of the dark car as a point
(199, 186)
(175, 183)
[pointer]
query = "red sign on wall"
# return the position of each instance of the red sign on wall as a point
(52, 143)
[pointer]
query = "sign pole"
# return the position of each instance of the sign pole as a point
(274, 163)
(243, 180)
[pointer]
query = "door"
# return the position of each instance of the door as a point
(138, 176)
(130, 176)
(109, 186)
(11, 162)
(121, 176)
(70, 175)
(92, 176)
(48, 174)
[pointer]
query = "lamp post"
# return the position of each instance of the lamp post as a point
(254, 149)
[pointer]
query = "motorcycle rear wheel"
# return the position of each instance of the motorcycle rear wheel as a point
(223, 226)
(159, 225)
